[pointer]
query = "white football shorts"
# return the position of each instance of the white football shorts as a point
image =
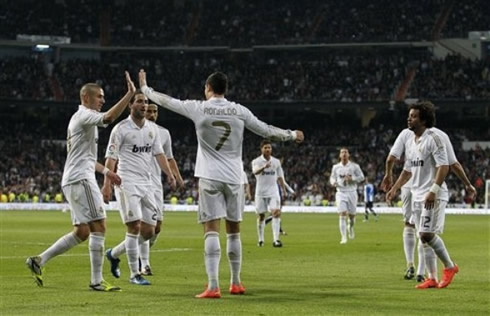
(219, 200)
(346, 202)
(406, 196)
(429, 221)
(159, 200)
(267, 204)
(85, 200)
(137, 202)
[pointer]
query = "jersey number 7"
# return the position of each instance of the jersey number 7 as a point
(225, 135)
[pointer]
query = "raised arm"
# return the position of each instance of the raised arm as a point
(114, 112)
(253, 124)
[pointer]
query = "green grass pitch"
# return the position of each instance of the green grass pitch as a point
(311, 275)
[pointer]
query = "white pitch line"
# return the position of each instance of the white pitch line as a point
(86, 254)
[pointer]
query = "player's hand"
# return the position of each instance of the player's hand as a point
(348, 179)
(106, 192)
(142, 77)
(131, 87)
(180, 183)
(430, 199)
(114, 177)
(390, 195)
(300, 137)
(387, 183)
(172, 182)
(470, 191)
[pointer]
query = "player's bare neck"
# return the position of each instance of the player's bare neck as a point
(344, 162)
(419, 132)
(138, 121)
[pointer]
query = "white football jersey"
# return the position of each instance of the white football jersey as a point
(81, 145)
(340, 171)
(156, 174)
(402, 142)
(266, 184)
(134, 148)
(399, 148)
(219, 127)
(423, 157)
(244, 177)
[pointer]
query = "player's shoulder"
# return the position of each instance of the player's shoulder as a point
(125, 123)
(354, 164)
(439, 132)
(163, 130)
(276, 160)
(435, 136)
(405, 134)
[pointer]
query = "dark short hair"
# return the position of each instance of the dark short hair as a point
(265, 142)
(138, 91)
(218, 82)
(427, 112)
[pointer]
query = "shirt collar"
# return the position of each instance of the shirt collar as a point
(133, 124)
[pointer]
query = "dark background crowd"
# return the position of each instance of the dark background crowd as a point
(32, 162)
(275, 56)
(241, 23)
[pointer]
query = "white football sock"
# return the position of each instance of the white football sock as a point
(118, 250)
(421, 258)
(96, 249)
(234, 252)
(260, 229)
(145, 253)
(212, 255)
(430, 261)
(131, 243)
(343, 226)
(440, 249)
(409, 244)
(276, 226)
(62, 245)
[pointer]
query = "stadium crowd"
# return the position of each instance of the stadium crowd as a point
(243, 23)
(336, 76)
(32, 164)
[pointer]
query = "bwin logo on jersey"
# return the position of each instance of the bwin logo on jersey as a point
(417, 163)
(142, 149)
(269, 173)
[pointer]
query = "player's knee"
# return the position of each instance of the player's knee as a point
(134, 227)
(262, 217)
(426, 237)
(276, 213)
(146, 234)
(82, 232)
